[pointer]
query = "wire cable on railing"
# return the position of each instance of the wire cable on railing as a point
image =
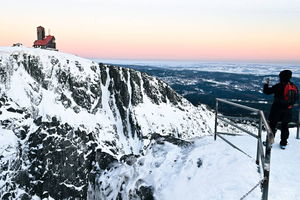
(250, 102)
(252, 189)
(265, 158)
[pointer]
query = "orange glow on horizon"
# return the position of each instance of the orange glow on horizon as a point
(199, 30)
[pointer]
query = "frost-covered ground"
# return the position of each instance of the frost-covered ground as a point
(210, 170)
(226, 173)
(284, 174)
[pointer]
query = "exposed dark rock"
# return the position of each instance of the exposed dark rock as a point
(55, 122)
(54, 61)
(7, 196)
(199, 162)
(135, 127)
(76, 109)
(23, 132)
(56, 160)
(149, 89)
(82, 98)
(129, 159)
(11, 109)
(27, 116)
(79, 66)
(119, 87)
(145, 193)
(25, 197)
(45, 195)
(23, 179)
(38, 121)
(161, 139)
(103, 73)
(104, 160)
(96, 89)
(59, 165)
(94, 68)
(136, 89)
(5, 123)
(33, 67)
(168, 93)
(65, 101)
(62, 76)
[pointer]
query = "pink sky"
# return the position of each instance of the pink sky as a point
(139, 29)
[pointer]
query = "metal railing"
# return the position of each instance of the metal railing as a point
(298, 123)
(262, 158)
(290, 125)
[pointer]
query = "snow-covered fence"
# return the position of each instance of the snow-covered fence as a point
(261, 157)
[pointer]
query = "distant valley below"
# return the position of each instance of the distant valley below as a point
(203, 87)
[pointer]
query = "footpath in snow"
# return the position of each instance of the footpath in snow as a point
(284, 181)
(285, 169)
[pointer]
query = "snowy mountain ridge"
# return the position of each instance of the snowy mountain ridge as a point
(78, 91)
(68, 117)
(71, 128)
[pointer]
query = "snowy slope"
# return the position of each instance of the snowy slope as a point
(78, 91)
(67, 116)
(71, 128)
(201, 170)
(205, 169)
(284, 174)
(285, 178)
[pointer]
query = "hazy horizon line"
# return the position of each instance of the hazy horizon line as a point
(254, 61)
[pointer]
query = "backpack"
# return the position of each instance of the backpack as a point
(291, 94)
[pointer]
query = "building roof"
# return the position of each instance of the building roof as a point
(44, 41)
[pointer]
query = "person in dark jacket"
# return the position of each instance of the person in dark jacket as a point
(280, 110)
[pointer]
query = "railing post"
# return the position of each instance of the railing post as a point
(216, 119)
(298, 124)
(258, 140)
(267, 166)
(266, 172)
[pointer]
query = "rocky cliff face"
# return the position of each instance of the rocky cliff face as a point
(65, 120)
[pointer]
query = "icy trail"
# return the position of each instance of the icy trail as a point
(211, 170)
(285, 174)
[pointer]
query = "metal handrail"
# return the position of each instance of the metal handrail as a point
(260, 155)
(256, 110)
(298, 124)
(238, 105)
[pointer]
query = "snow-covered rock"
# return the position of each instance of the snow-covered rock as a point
(64, 120)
